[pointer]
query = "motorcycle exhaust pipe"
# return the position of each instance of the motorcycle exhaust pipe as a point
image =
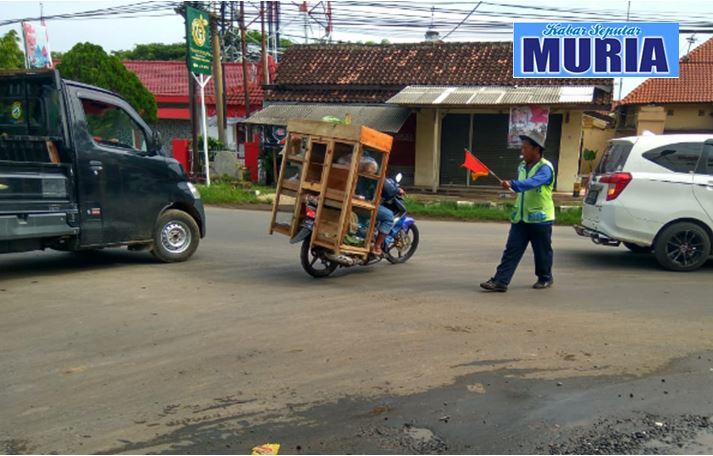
(341, 259)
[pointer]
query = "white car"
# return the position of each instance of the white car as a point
(654, 193)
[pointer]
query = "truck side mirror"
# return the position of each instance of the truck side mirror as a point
(156, 142)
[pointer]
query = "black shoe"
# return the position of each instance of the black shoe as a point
(492, 285)
(541, 285)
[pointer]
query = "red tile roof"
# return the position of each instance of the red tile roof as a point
(694, 84)
(364, 73)
(170, 78)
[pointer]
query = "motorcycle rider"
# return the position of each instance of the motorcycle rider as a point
(365, 189)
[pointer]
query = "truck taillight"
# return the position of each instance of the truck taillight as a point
(617, 183)
(311, 213)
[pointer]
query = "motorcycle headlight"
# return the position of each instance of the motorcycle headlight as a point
(194, 191)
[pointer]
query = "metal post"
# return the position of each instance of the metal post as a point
(263, 43)
(202, 82)
(621, 80)
(244, 52)
(470, 148)
(277, 30)
(435, 160)
(218, 81)
(305, 15)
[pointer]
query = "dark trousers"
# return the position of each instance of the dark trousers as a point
(521, 234)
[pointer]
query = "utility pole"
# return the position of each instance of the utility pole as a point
(244, 52)
(265, 66)
(277, 29)
(217, 78)
(621, 80)
(305, 16)
(192, 106)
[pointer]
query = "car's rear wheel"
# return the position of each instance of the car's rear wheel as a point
(682, 246)
(637, 248)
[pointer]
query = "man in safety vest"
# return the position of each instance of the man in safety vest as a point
(532, 216)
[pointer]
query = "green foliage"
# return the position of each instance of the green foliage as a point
(450, 210)
(214, 144)
(88, 63)
(154, 51)
(590, 155)
(254, 36)
(226, 193)
(11, 55)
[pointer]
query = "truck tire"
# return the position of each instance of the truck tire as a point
(683, 246)
(176, 237)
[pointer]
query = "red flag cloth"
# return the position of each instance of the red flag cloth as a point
(474, 165)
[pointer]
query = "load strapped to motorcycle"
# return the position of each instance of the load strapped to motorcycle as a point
(329, 191)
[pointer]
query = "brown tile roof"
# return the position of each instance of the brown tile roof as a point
(364, 73)
(694, 84)
(170, 78)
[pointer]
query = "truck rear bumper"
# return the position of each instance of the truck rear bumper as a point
(28, 226)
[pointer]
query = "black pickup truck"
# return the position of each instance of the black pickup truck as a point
(80, 170)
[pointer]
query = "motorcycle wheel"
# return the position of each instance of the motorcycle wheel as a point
(404, 246)
(315, 264)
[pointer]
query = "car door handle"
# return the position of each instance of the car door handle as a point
(96, 166)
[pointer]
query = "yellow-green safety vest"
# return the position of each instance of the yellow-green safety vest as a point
(536, 205)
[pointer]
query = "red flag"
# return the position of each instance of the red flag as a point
(476, 167)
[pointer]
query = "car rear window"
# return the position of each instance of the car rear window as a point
(679, 157)
(614, 157)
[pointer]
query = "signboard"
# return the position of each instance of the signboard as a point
(526, 119)
(595, 50)
(200, 55)
(37, 48)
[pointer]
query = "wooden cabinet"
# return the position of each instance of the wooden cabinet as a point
(341, 166)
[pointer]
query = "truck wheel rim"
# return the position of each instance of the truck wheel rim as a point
(175, 237)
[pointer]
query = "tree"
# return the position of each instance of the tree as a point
(154, 51)
(11, 56)
(88, 63)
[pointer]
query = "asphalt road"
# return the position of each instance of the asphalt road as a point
(114, 353)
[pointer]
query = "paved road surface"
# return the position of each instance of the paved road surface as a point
(115, 353)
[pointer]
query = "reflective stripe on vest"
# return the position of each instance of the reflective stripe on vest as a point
(536, 205)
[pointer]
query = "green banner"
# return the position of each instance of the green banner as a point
(200, 55)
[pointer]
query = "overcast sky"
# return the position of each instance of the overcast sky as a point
(121, 33)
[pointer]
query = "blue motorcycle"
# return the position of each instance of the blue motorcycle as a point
(399, 246)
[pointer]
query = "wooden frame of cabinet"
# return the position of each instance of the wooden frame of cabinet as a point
(326, 161)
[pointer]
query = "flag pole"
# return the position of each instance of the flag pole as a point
(495, 175)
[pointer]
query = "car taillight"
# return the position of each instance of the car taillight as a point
(617, 183)
(311, 213)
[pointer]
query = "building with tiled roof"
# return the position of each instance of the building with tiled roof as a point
(168, 82)
(446, 96)
(674, 105)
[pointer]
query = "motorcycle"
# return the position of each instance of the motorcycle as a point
(398, 247)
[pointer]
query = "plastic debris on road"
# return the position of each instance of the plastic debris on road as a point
(268, 448)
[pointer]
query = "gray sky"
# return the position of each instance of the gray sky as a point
(118, 33)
